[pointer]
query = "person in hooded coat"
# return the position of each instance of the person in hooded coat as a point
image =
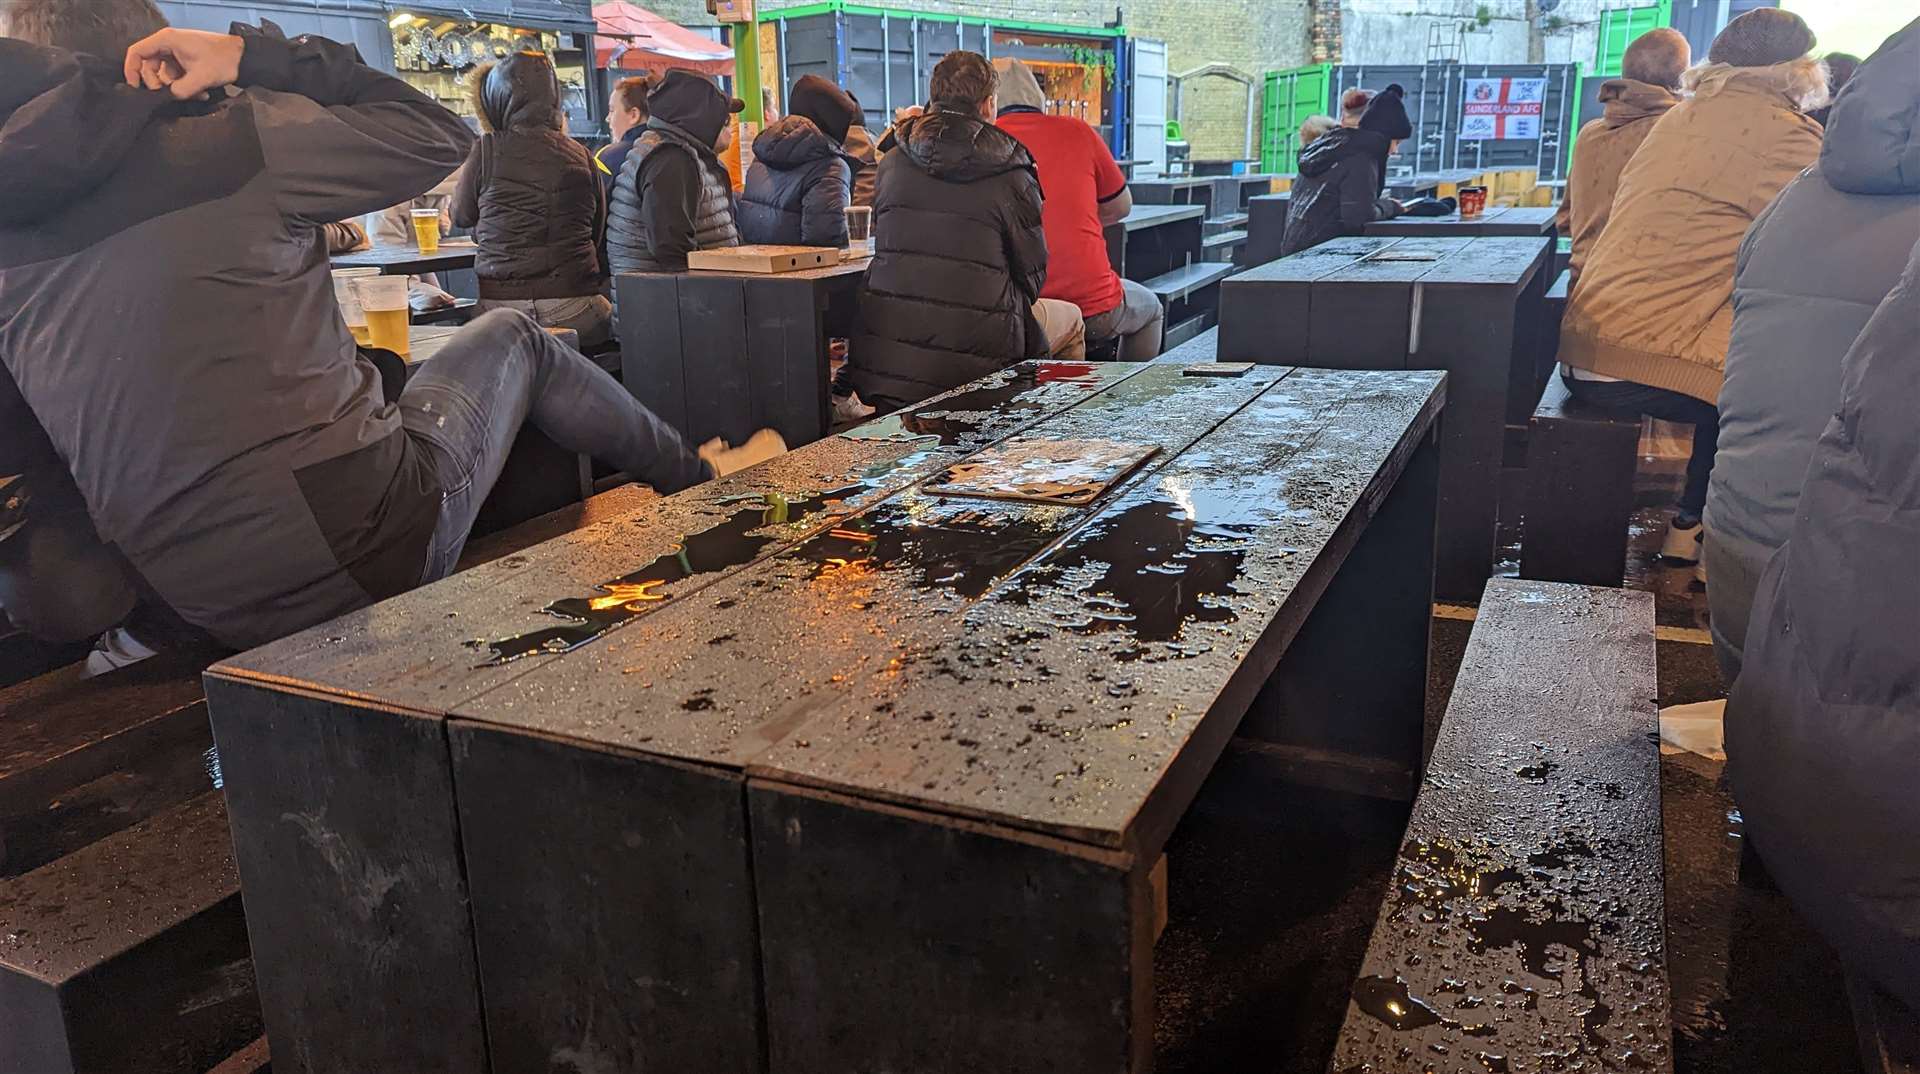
(674, 195)
(801, 181)
(1811, 271)
(217, 420)
(1823, 724)
(953, 293)
(536, 207)
(1343, 176)
(1648, 86)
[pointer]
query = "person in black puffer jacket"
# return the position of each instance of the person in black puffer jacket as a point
(673, 195)
(536, 207)
(1343, 175)
(802, 180)
(953, 293)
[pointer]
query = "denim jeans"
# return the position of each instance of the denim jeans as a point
(1630, 398)
(464, 408)
(589, 315)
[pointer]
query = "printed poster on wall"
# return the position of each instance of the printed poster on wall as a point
(1502, 108)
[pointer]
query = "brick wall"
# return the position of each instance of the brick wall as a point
(1252, 35)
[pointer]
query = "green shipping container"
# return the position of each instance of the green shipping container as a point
(1619, 26)
(1291, 96)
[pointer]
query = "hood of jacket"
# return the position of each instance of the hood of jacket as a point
(1870, 146)
(793, 142)
(1337, 145)
(1797, 84)
(67, 122)
(960, 148)
(1018, 88)
(1627, 100)
(519, 93)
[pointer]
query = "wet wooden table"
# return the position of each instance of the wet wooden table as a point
(454, 254)
(728, 353)
(1522, 221)
(810, 769)
(1470, 306)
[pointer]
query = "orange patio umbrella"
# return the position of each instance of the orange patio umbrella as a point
(634, 38)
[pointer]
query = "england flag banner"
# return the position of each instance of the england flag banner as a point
(1502, 108)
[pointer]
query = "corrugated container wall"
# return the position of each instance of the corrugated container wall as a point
(1289, 98)
(1435, 101)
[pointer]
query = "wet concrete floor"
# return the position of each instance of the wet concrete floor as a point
(1273, 892)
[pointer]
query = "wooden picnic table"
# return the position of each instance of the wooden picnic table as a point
(1523, 221)
(1470, 306)
(407, 260)
(727, 353)
(841, 775)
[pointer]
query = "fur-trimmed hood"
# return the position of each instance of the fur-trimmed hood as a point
(1803, 82)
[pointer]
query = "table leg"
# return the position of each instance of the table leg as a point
(893, 939)
(1346, 708)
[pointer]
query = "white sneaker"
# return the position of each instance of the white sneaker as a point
(115, 649)
(761, 446)
(1682, 543)
(849, 408)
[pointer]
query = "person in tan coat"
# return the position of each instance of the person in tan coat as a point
(1649, 85)
(1647, 325)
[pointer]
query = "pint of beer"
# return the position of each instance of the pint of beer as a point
(349, 301)
(426, 230)
(384, 298)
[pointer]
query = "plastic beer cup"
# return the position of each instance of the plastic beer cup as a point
(384, 298)
(426, 230)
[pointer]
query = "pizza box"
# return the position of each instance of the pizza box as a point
(762, 259)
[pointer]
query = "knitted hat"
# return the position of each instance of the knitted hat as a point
(1386, 114)
(826, 104)
(1761, 38)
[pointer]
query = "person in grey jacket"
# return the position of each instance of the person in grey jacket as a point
(1824, 722)
(1810, 272)
(673, 195)
(167, 314)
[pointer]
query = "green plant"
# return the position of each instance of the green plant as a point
(1094, 59)
(1483, 15)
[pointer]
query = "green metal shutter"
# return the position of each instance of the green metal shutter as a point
(1619, 26)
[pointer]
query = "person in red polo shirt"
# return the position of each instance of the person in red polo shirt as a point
(1085, 192)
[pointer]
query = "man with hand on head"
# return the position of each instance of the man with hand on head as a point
(195, 373)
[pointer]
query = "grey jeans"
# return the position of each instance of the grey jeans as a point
(1139, 321)
(589, 315)
(464, 408)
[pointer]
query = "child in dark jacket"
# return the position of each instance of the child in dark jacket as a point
(801, 181)
(1343, 176)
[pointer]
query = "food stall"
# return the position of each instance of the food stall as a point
(436, 47)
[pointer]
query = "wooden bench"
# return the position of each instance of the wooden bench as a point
(122, 942)
(1266, 227)
(1524, 927)
(1191, 296)
(1579, 481)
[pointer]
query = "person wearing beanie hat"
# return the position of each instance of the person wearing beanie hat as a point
(1648, 86)
(1343, 175)
(1085, 192)
(673, 195)
(1353, 105)
(1647, 327)
(801, 181)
